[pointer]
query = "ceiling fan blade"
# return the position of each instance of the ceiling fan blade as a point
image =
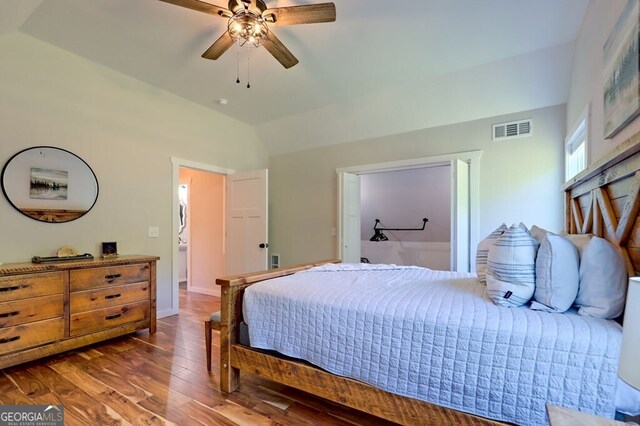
(279, 51)
(219, 47)
(201, 6)
(304, 14)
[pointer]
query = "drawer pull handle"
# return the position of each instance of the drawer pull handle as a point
(9, 339)
(15, 287)
(112, 277)
(112, 296)
(114, 316)
(9, 314)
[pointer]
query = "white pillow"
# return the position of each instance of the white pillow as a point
(557, 273)
(483, 251)
(511, 267)
(603, 280)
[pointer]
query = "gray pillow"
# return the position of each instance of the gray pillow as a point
(603, 280)
(557, 273)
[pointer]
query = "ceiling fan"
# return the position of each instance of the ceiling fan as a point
(250, 22)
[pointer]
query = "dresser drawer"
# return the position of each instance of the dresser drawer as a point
(89, 300)
(29, 310)
(32, 285)
(29, 335)
(84, 279)
(102, 319)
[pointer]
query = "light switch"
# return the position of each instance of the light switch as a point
(154, 232)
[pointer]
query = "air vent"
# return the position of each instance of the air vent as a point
(513, 129)
(275, 261)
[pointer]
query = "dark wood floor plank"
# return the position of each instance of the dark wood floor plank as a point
(130, 411)
(170, 407)
(73, 372)
(87, 407)
(6, 384)
(115, 381)
(55, 383)
(26, 382)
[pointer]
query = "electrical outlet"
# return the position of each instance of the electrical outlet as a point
(154, 232)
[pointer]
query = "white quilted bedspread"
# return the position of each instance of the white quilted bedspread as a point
(436, 336)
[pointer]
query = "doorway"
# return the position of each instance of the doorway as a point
(201, 236)
(464, 202)
(405, 217)
(243, 237)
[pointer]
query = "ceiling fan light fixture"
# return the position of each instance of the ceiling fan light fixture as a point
(247, 28)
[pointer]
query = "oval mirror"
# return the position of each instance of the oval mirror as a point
(49, 184)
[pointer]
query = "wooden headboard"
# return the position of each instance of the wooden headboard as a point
(604, 200)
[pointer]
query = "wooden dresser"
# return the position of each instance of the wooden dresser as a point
(51, 308)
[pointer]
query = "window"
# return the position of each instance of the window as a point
(576, 147)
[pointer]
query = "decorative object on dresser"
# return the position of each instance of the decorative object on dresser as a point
(110, 249)
(52, 308)
(49, 184)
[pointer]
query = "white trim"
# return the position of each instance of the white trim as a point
(580, 131)
(180, 162)
(471, 157)
(175, 179)
(166, 313)
(207, 291)
(412, 163)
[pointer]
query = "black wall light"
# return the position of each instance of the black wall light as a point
(378, 235)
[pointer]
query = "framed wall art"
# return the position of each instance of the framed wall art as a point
(621, 71)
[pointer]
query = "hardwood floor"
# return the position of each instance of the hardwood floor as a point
(162, 379)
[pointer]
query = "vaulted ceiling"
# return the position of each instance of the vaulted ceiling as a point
(376, 55)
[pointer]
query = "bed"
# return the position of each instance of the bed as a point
(603, 200)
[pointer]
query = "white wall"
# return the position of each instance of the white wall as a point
(520, 180)
(492, 89)
(428, 255)
(587, 76)
(127, 131)
(400, 199)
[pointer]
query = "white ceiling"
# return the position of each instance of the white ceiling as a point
(373, 47)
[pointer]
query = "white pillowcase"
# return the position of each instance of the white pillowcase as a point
(483, 251)
(557, 272)
(511, 267)
(603, 278)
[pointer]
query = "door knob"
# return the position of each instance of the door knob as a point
(263, 245)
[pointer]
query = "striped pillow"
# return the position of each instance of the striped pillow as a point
(483, 251)
(511, 267)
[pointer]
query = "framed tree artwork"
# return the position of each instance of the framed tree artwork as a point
(621, 71)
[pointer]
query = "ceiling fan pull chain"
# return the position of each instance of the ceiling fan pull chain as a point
(248, 72)
(238, 64)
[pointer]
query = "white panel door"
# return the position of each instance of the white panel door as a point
(350, 217)
(246, 222)
(459, 216)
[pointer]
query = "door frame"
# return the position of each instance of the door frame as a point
(176, 164)
(470, 157)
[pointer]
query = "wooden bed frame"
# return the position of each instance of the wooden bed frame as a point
(603, 200)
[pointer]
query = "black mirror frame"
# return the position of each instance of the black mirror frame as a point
(6, 196)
